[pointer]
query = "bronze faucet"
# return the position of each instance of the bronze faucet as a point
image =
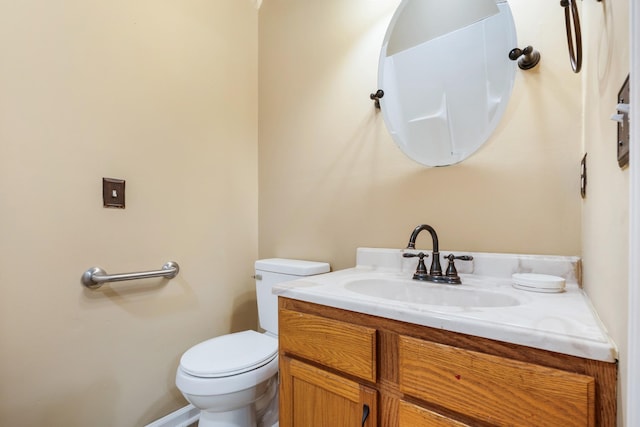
(434, 274)
(436, 269)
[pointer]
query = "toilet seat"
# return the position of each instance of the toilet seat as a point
(229, 355)
(228, 363)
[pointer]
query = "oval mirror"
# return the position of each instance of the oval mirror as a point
(446, 76)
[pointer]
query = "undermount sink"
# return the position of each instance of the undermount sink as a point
(429, 294)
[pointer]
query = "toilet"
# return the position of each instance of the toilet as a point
(233, 379)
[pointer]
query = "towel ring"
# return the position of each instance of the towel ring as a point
(573, 33)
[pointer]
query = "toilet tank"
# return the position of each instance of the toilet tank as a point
(270, 272)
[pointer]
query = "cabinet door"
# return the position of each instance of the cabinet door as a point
(312, 397)
(497, 390)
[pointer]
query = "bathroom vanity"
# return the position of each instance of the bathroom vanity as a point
(350, 358)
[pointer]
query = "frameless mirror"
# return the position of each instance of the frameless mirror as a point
(446, 76)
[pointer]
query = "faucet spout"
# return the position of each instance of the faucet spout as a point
(418, 229)
(436, 269)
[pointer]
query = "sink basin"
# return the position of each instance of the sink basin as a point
(429, 294)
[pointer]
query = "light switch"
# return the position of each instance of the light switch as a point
(113, 193)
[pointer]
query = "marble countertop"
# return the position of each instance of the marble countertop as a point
(564, 322)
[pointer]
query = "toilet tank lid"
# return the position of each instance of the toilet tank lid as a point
(295, 267)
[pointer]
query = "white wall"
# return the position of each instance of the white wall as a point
(164, 95)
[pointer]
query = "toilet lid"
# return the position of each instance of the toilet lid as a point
(228, 355)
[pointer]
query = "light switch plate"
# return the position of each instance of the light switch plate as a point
(113, 193)
(623, 126)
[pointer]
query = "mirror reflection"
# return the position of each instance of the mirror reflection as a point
(446, 76)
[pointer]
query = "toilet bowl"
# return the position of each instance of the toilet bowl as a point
(230, 378)
(233, 379)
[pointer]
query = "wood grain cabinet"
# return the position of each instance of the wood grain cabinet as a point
(340, 368)
(317, 397)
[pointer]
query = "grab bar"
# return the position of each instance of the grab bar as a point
(95, 277)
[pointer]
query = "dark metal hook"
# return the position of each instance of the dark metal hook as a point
(376, 97)
(529, 57)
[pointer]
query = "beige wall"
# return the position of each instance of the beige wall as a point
(164, 95)
(331, 178)
(605, 210)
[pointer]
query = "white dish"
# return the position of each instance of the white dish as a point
(534, 289)
(540, 282)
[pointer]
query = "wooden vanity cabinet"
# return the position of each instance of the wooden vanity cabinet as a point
(341, 368)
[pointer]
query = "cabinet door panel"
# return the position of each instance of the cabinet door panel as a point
(410, 415)
(496, 390)
(346, 347)
(312, 397)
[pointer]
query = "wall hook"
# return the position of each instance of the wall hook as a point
(528, 57)
(376, 97)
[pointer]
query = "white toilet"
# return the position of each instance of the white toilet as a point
(233, 379)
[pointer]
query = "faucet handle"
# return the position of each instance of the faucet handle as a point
(422, 255)
(421, 272)
(451, 268)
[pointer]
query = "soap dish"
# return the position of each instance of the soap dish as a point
(538, 282)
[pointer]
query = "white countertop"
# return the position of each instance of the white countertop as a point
(564, 322)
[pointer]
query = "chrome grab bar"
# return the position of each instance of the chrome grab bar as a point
(95, 277)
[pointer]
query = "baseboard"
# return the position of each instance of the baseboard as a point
(183, 417)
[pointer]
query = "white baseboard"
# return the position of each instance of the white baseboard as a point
(183, 417)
